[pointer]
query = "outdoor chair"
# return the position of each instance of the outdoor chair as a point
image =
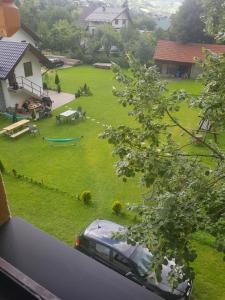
(33, 130)
(84, 115)
(76, 116)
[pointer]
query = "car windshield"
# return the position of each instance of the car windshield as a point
(142, 258)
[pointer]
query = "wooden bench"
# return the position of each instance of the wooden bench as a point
(3, 131)
(19, 132)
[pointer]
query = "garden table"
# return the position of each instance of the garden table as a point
(67, 115)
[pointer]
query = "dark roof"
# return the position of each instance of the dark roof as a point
(87, 10)
(30, 32)
(179, 52)
(105, 14)
(11, 54)
(62, 270)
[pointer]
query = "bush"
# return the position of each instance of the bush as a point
(77, 94)
(57, 81)
(59, 88)
(85, 197)
(2, 168)
(45, 85)
(117, 207)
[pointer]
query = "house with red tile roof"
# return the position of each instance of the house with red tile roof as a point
(178, 60)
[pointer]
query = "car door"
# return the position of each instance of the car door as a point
(124, 266)
(102, 253)
(120, 263)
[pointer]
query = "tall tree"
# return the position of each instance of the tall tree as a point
(214, 17)
(183, 195)
(187, 25)
(108, 37)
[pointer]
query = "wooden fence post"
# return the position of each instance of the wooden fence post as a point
(4, 208)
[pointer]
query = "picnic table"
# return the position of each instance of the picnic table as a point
(16, 129)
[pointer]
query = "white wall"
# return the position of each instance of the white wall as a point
(20, 36)
(13, 97)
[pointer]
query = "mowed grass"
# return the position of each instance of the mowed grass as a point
(89, 165)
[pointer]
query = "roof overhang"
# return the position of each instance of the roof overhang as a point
(30, 32)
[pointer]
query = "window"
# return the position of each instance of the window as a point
(124, 22)
(121, 263)
(28, 69)
(103, 252)
(116, 22)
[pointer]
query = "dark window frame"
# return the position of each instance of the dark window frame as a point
(116, 21)
(28, 69)
(119, 261)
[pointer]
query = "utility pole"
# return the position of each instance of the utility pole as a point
(9, 18)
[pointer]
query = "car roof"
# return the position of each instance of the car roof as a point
(102, 231)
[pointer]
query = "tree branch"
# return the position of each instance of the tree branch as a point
(217, 153)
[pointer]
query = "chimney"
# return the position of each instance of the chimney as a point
(9, 18)
(4, 208)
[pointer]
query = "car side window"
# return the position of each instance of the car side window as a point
(102, 251)
(121, 262)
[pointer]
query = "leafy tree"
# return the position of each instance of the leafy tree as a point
(187, 25)
(144, 22)
(63, 37)
(183, 195)
(145, 49)
(108, 37)
(214, 17)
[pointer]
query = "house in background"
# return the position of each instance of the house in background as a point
(118, 17)
(20, 73)
(178, 60)
(24, 34)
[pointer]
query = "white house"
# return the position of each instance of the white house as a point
(20, 73)
(118, 17)
(24, 34)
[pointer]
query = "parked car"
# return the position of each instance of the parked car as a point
(131, 261)
(56, 62)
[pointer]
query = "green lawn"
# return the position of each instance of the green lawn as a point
(89, 165)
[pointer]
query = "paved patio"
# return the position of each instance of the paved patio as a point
(60, 99)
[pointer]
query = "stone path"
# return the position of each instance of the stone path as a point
(97, 122)
(60, 99)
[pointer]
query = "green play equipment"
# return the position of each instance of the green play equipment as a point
(63, 140)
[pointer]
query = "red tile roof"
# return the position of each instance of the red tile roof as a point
(174, 51)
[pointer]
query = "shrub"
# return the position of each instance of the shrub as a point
(57, 81)
(117, 207)
(59, 88)
(77, 94)
(85, 197)
(83, 91)
(2, 168)
(14, 172)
